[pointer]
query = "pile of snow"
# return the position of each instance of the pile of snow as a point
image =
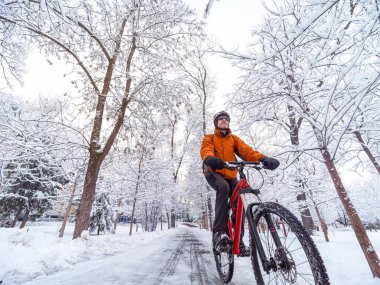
(37, 250)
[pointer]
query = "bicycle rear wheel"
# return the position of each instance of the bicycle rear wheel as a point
(297, 261)
(224, 263)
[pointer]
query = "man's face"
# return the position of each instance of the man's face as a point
(223, 122)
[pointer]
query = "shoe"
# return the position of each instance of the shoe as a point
(244, 250)
(221, 241)
(220, 236)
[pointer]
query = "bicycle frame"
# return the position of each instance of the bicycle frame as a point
(239, 192)
(235, 230)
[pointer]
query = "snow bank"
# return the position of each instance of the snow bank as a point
(37, 250)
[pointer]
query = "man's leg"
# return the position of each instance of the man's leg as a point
(222, 188)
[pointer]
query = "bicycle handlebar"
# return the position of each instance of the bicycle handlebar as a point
(240, 164)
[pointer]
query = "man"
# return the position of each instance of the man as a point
(216, 149)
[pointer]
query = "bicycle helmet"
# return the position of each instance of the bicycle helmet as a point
(219, 114)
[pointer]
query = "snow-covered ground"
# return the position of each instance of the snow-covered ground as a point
(35, 255)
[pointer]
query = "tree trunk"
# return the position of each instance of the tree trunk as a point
(172, 219)
(26, 217)
(361, 235)
(96, 154)
(16, 217)
(117, 214)
(345, 220)
(203, 216)
(155, 219)
(167, 216)
(294, 126)
(146, 218)
(210, 213)
(367, 151)
(323, 224)
(84, 210)
(132, 215)
(67, 213)
(116, 220)
(307, 220)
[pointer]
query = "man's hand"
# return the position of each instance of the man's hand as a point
(270, 163)
(214, 162)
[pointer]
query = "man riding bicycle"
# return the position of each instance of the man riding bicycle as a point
(215, 150)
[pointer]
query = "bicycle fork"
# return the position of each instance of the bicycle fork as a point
(270, 263)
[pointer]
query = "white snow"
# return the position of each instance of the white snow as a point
(35, 255)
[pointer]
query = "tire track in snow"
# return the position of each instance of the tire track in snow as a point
(172, 262)
(190, 252)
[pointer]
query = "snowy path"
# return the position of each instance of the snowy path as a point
(177, 258)
(35, 255)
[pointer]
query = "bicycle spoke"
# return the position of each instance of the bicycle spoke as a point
(294, 239)
(308, 282)
(306, 261)
(270, 280)
(295, 250)
(305, 274)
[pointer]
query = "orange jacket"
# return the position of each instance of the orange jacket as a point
(224, 148)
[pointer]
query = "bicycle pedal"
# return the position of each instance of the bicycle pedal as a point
(224, 246)
(245, 252)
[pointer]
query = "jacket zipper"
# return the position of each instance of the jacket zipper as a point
(224, 156)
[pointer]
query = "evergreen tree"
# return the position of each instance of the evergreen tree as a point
(29, 185)
(32, 157)
(101, 218)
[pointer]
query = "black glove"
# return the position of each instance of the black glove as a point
(214, 162)
(270, 163)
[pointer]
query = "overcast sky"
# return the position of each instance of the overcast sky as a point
(229, 23)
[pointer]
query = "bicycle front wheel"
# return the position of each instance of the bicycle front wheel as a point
(292, 257)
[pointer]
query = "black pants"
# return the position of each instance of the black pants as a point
(224, 189)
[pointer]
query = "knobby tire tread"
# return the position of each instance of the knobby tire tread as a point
(311, 251)
(226, 278)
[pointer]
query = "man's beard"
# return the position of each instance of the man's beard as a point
(223, 132)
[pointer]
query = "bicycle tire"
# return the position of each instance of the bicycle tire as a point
(224, 264)
(293, 265)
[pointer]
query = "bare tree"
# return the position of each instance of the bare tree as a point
(117, 47)
(202, 84)
(302, 60)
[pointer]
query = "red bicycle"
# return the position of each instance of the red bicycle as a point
(281, 250)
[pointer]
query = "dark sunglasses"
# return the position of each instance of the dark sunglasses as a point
(223, 118)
